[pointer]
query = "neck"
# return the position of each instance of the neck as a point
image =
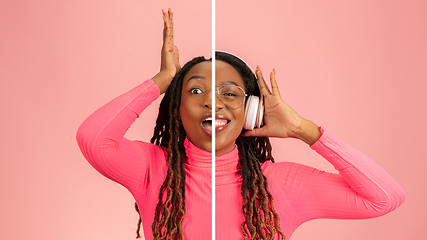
(201, 160)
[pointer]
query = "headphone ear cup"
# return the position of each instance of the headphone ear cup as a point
(260, 114)
(251, 112)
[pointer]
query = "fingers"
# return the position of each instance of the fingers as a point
(274, 87)
(169, 53)
(170, 14)
(168, 29)
(250, 133)
(167, 16)
(263, 86)
(256, 132)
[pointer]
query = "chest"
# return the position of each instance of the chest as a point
(198, 207)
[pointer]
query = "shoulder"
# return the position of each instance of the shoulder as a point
(153, 151)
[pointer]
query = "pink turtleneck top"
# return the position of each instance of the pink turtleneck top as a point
(362, 189)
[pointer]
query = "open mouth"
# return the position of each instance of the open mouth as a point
(220, 123)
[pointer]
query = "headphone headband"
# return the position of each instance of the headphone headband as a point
(219, 51)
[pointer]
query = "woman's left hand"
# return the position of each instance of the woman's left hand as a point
(279, 118)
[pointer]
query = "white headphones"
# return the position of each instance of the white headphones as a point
(254, 106)
(254, 112)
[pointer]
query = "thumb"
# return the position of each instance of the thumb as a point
(176, 60)
(256, 132)
(176, 52)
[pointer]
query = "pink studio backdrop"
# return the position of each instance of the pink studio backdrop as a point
(60, 61)
(358, 69)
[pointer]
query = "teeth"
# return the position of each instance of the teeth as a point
(220, 122)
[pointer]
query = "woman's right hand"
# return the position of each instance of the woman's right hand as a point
(170, 56)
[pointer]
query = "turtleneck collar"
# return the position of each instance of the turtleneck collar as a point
(227, 164)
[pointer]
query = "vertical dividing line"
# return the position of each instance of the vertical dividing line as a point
(213, 119)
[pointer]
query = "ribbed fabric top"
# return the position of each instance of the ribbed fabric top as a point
(362, 189)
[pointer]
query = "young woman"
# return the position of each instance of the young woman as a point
(170, 178)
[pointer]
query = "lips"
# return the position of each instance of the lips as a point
(221, 122)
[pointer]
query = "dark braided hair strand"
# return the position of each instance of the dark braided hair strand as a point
(170, 133)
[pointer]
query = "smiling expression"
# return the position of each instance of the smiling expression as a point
(231, 120)
(196, 108)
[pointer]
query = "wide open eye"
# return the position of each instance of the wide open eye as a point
(196, 91)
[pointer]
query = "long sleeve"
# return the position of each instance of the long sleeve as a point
(362, 189)
(100, 138)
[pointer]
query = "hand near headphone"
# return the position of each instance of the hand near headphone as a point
(280, 119)
(170, 56)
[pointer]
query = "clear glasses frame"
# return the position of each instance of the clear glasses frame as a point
(230, 98)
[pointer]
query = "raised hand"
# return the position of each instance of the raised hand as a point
(170, 56)
(280, 119)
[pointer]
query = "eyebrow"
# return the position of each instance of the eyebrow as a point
(196, 77)
(229, 83)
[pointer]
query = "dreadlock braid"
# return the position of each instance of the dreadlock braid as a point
(170, 133)
(261, 220)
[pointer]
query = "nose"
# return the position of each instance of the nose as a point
(207, 100)
(218, 102)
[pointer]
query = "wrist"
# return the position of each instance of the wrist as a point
(307, 132)
(162, 80)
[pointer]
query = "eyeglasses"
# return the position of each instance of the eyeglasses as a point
(231, 95)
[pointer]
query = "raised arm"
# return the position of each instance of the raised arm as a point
(362, 189)
(100, 137)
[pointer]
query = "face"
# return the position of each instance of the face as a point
(196, 105)
(229, 121)
(196, 108)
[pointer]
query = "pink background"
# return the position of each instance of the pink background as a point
(358, 69)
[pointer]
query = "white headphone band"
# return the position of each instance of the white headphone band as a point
(219, 51)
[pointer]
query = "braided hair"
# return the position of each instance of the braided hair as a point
(170, 133)
(261, 220)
